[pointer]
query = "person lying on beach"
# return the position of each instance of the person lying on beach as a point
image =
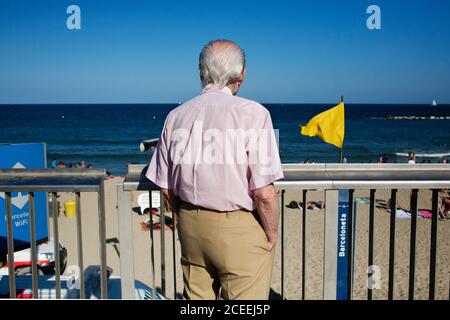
(444, 208)
(311, 205)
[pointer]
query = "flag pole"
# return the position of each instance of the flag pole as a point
(340, 150)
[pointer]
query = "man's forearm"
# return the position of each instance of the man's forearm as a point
(170, 197)
(268, 211)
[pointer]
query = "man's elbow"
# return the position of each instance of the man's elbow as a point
(165, 192)
(265, 194)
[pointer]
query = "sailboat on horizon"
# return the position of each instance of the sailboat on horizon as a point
(434, 103)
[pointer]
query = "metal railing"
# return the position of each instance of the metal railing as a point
(305, 177)
(334, 177)
(52, 181)
(331, 178)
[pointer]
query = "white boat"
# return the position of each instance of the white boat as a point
(434, 103)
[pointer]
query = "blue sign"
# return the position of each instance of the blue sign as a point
(30, 156)
(343, 249)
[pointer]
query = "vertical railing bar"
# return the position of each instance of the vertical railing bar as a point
(330, 244)
(102, 240)
(350, 246)
(282, 244)
(34, 269)
(392, 244)
(152, 248)
(56, 245)
(412, 246)
(174, 229)
(163, 246)
(10, 244)
(433, 245)
(304, 246)
(126, 246)
(371, 240)
(80, 244)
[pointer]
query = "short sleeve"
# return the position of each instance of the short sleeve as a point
(158, 169)
(264, 158)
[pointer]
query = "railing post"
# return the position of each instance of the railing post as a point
(102, 240)
(125, 242)
(55, 213)
(163, 243)
(304, 246)
(10, 245)
(330, 255)
(80, 244)
(282, 244)
(34, 268)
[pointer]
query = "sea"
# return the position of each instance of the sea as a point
(107, 136)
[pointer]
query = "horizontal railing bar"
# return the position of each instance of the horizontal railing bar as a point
(323, 185)
(364, 167)
(53, 172)
(361, 185)
(339, 167)
(48, 188)
(391, 184)
(300, 184)
(336, 176)
(51, 180)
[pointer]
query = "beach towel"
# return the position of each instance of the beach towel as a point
(362, 200)
(402, 214)
(425, 214)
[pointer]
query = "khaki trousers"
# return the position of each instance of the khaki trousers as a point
(224, 254)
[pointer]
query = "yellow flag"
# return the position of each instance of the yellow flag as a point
(328, 125)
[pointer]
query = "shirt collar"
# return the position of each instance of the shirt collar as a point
(210, 88)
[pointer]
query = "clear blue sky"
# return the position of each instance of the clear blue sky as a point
(297, 51)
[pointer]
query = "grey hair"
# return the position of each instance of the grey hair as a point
(221, 62)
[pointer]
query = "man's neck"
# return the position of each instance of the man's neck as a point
(233, 88)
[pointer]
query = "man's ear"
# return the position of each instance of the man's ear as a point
(242, 77)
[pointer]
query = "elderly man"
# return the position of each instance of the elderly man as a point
(216, 161)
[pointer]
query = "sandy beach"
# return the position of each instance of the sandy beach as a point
(292, 246)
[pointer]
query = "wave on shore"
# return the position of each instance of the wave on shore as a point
(425, 155)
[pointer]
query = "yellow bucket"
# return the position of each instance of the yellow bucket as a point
(70, 208)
